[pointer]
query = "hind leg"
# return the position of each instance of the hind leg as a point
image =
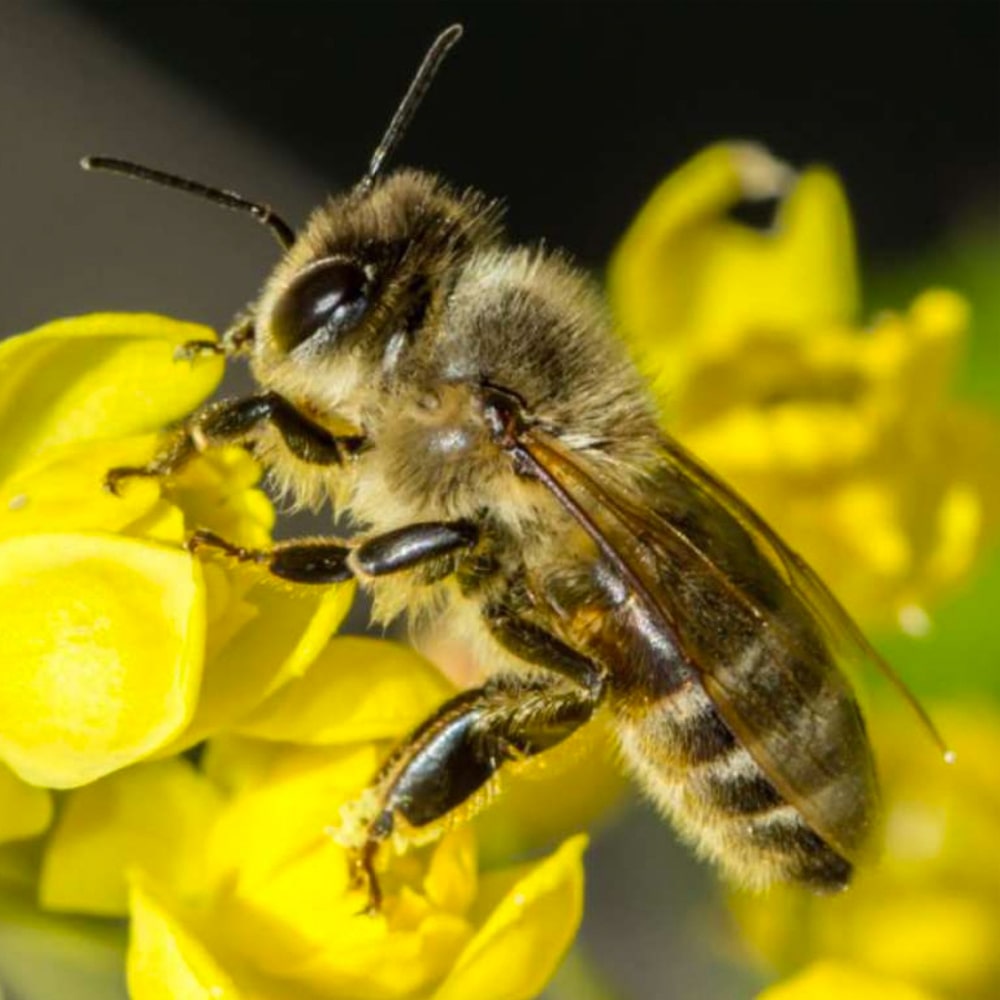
(437, 773)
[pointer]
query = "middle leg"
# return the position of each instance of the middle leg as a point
(322, 561)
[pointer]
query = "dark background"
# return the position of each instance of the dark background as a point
(571, 112)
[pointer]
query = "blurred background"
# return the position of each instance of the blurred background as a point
(571, 113)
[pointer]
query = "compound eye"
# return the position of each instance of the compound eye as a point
(327, 298)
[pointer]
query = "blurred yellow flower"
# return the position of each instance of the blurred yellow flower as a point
(835, 981)
(25, 811)
(928, 913)
(846, 440)
(842, 436)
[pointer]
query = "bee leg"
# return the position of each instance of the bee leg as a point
(322, 561)
(237, 421)
(305, 560)
(408, 547)
(237, 338)
(455, 753)
(178, 450)
(536, 645)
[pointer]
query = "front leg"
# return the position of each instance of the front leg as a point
(239, 422)
(446, 765)
(321, 561)
(236, 340)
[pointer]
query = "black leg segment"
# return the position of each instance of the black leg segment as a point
(535, 644)
(236, 340)
(238, 421)
(456, 752)
(325, 561)
(407, 547)
(307, 560)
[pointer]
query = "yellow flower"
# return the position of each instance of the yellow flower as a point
(928, 912)
(842, 436)
(117, 643)
(835, 981)
(122, 650)
(234, 882)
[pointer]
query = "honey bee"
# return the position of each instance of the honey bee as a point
(470, 406)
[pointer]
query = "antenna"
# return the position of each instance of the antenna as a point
(281, 230)
(410, 102)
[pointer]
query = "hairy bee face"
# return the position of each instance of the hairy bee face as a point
(366, 279)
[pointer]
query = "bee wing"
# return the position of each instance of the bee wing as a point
(748, 615)
(839, 628)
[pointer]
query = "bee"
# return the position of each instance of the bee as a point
(468, 403)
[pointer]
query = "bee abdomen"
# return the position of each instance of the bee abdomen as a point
(807, 857)
(736, 786)
(720, 799)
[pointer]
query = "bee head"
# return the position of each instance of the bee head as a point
(370, 269)
(367, 263)
(366, 266)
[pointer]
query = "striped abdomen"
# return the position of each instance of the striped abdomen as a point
(696, 770)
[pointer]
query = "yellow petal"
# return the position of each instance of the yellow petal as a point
(525, 937)
(216, 492)
(290, 909)
(649, 295)
(357, 689)
(959, 535)
(166, 960)
(64, 489)
(25, 811)
(291, 800)
(303, 923)
(940, 314)
(687, 280)
(450, 882)
(163, 522)
(102, 641)
(235, 763)
(837, 981)
(286, 897)
(280, 631)
(96, 377)
(398, 967)
(152, 817)
(304, 926)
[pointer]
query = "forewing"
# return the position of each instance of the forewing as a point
(839, 630)
(759, 628)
